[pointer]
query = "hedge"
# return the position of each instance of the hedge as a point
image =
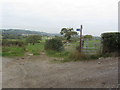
(13, 43)
(111, 42)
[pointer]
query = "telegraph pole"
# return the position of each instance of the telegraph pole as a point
(81, 38)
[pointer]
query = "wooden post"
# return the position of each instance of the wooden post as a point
(81, 39)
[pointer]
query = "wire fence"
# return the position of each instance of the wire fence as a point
(92, 47)
(89, 47)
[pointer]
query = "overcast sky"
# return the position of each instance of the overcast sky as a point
(96, 16)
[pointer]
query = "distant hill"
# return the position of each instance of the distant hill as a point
(24, 32)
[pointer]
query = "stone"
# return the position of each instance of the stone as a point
(99, 62)
(30, 54)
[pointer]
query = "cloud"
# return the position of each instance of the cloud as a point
(51, 15)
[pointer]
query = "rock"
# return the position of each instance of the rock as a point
(30, 54)
(101, 58)
(99, 62)
(42, 53)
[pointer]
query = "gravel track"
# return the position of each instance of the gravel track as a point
(39, 72)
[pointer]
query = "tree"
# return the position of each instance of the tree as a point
(68, 33)
(33, 39)
(88, 37)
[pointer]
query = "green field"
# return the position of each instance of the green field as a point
(39, 47)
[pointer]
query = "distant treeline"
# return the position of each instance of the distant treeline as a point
(18, 34)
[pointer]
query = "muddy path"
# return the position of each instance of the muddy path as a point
(39, 72)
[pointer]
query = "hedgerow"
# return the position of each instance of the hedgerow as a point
(111, 42)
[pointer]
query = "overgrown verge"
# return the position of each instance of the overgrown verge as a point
(77, 56)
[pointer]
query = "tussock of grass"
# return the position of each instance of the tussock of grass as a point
(56, 53)
(77, 56)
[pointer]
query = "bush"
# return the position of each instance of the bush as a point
(110, 42)
(54, 44)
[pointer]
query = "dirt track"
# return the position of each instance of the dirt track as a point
(38, 72)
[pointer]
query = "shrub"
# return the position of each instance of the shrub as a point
(110, 42)
(54, 44)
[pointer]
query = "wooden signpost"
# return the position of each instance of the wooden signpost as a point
(81, 38)
(81, 27)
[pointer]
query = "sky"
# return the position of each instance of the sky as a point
(96, 16)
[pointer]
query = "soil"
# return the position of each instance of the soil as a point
(39, 72)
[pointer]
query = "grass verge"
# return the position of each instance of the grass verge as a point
(12, 51)
(77, 56)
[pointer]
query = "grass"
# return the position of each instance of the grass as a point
(76, 56)
(57, 54)
(12, 51)
(35, 49)
(20, 51)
